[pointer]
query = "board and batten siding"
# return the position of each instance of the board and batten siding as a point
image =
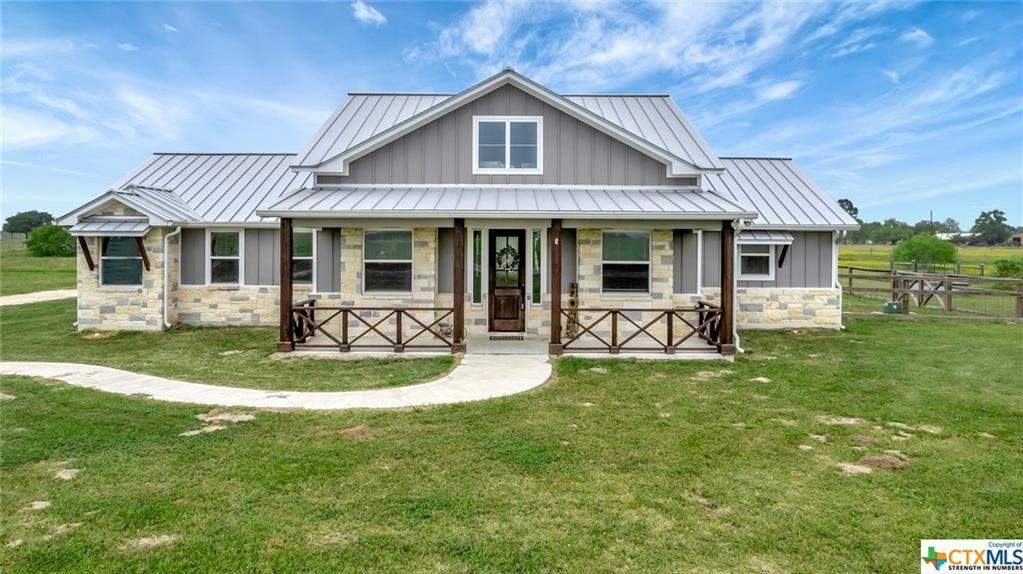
(684, 254)
(807, 264)
(262, 257)
(573, 152)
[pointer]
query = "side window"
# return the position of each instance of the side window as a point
(225, 257)
(626, 262)
(387, 262)
(302, 257)
(120, 262)
(755, 261)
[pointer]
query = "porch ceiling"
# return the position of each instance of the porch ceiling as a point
(507, 201)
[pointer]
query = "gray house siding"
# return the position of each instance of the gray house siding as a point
(569, 270)
(445, 260)
(193, 255)
(573, 152)
(262, 257)
(328, 260)
(685, 243)
(807, 264)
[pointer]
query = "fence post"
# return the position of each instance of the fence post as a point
(344, 331)
(948, 293)
(1019, 300)
(895, 281)
(398, 346)
(614, 333)
(670, 348)
(905, 296)
(850, 278)
(981, 269)
(958, 269)
(913, 262)
(920, 289)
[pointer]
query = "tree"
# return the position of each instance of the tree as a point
(891, 231)
(925, 249)
(851, 209)
(952, 226)
(26, 221)
(50, 241)
(991, 228)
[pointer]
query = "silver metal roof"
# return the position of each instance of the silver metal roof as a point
(654, 118)
(223, 188)
(158, 202)
(765, 236)
(101, 227)
(780, 192)
(501, 201)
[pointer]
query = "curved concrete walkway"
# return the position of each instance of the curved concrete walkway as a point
(38, 297)
(478, 377)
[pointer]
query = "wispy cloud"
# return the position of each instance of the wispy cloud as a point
(892, 75)
(169, 28)
(24, 128)
(917, 36)
(367, 14)
(45, 167)
(127, 47)
(778, 91)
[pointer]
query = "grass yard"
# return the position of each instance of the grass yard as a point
(612, 466)
(235, 356)
(22, 273)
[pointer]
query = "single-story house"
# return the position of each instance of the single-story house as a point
(596, 222)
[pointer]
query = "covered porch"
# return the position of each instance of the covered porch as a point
(449, 279)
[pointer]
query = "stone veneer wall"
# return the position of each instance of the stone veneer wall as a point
(784, 307)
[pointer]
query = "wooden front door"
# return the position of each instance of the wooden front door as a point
(507, 280)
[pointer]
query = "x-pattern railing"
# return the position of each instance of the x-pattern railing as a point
(387, 323)
(702, 321)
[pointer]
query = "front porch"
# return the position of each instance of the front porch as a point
(529, 285)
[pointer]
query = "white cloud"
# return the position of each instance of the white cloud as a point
(917, 36)
(36, 47)
(367, 14)
(44, 167)
(164, 118)
(127, 47)
(24, 128)
(969, 15)
(891, 75)
(169, 28)
(778, 91)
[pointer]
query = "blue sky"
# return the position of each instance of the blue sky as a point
(902, 107)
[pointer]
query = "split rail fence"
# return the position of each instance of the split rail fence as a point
(936, 293)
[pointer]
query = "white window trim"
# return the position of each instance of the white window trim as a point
(240, 257)
(411, 261)
(477, 170)
(542, 264)
(649, 265)
(99, 268)
(770, 263)
(312, 257)
(483, 265)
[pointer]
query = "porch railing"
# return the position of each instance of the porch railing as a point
(352, 328)
(614, 331)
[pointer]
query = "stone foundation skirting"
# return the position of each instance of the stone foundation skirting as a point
(774, 308)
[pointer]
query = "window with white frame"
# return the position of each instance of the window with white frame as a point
(302, 257)
(625, 265)
(507, 144)
(120, 262)
(755, 261)
(225, 257)
(387, 262)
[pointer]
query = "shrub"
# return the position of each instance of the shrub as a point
(1009, 267)
(50, 241)
(925, 249)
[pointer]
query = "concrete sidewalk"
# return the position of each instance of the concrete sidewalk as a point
(477, 378)
(38, 297)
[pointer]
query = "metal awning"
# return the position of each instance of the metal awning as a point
(762, 236)
(123, 227)
(507, 201)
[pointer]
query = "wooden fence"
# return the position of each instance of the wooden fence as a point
(944, 293)
(636, 330)
(371, 328)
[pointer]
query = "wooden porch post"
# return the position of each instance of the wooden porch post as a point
(286, 342)
(727, 288)
(555, 346)
(458, 337)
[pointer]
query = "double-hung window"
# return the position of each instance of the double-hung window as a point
(507, 144)
(225, 257)
(120, 262)
(387, 261)
(625, 262)
(302, 257)
(755, 261)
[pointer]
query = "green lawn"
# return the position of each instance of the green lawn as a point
(236, 356)
(613, 466)
(22, 273)
(878, 256)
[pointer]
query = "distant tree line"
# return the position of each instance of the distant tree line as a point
(990, 228)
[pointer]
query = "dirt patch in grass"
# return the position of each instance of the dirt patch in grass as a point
(707, 375)
(358, 431)
(760, 380)
(703, 501)
(138, 396)
(805, 447)
(883, 461)
(66, 473)
(6, 397)
(61, 529)
(39, 504)
(598, 370)
(850, 468)
(839, 421)
(864, 440)
(203, 430)
(217, 415)
(986, 435)
(819, 437)
(152, 541)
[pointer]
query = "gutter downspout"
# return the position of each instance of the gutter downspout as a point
(839, 236)
(166, 274)
(738, 224)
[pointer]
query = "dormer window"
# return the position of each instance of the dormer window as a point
(507, 144)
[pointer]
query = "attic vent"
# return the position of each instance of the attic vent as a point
(330, 179)
(686, 181)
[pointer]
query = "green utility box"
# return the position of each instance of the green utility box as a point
(893, 307)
